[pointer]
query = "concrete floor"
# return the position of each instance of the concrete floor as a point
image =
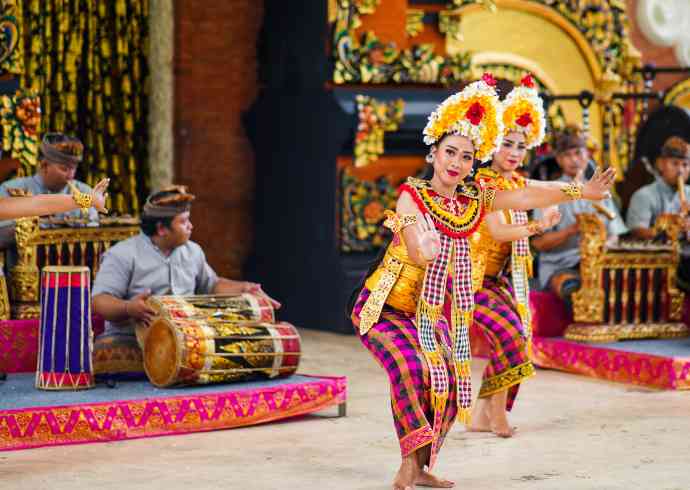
(575, 433)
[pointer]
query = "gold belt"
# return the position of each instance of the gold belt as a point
(396, 283)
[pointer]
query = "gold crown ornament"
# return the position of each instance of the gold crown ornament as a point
(475, 112)
(523, 112)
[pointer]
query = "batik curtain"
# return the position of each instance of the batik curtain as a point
(87, 59)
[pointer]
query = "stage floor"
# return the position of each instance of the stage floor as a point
(134, 409)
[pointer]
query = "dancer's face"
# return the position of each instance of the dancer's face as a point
(453, 159)
(512, 152)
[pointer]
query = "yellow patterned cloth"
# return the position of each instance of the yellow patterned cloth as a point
(87, 60)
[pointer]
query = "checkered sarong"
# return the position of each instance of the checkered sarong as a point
(520, 260)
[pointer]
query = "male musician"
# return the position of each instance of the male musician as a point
(559, 247)
(160, 260)
(661, 196)
(58, 159)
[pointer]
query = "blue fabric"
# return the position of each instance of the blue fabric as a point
(19, 392)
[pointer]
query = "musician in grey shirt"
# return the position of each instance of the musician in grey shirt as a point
(160, 260)
(660, 197)
(648, 202)
(559, 247)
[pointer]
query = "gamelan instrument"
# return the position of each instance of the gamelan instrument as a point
(65, 336)
(217, 339)
(628, 289)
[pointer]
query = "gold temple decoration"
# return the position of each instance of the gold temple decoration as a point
(449, 23)
(375, 118)
(37, 247)
(628, 291)
(414, 24)
(607, 85)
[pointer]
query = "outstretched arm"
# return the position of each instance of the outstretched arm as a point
(553, 239)
(532, 197)
(45, 204)
(501, 231)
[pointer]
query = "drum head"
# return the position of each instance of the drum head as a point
(161, 355)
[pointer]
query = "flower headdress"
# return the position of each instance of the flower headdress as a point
(475, 112)
(523, 111)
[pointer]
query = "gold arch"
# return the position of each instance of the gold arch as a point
(553, 17)
(537, 38)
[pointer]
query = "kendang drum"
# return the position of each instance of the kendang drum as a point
(192, 343)
(65, 336)
(243, 307)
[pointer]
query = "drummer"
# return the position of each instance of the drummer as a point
(160, 260)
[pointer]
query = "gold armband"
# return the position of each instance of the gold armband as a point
(397, 223)
(573, 191)
(84, 201)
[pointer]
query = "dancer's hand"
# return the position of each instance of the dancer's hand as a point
(98, 196)
(551, 217)
(597, 188)
(429, 239)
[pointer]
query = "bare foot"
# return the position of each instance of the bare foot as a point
(503, 430)
(407, 474)
(480, 423)
(426, 479)
(498, 418)
(480, 418)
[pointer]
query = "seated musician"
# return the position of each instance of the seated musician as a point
(661, 196)
(559, 247)
(58, 159)
(160, 260)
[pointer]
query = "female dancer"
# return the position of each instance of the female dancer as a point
(398, 313)
(501, 255)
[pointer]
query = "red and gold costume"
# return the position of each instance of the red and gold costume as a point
(415, 319)
(501, 273)
(502, 270)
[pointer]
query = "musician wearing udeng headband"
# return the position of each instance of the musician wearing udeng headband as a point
(559, 247)
(160, 260)
(661, 196)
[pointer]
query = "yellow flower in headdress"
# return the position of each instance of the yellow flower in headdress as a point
(523, 111)
(475, 112)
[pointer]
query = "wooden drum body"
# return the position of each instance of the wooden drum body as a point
(200, 340)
